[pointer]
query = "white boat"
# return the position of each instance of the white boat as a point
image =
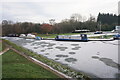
(30, 36)
(22, 36)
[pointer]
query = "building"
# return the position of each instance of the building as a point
(117, 29)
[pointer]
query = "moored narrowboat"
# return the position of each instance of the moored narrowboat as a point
(82, 37)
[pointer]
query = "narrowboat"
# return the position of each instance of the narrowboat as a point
(38, 38)
(12, 35)
(82, 37)
(22, 36)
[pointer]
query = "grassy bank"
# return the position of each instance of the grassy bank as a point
(16, 66)
(102, 37)
(62, 68)
(0, 46)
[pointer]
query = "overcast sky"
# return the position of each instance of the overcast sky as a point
(39, 11)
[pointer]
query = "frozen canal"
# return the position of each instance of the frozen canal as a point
(96, 58)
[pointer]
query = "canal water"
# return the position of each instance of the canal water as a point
(95, 58)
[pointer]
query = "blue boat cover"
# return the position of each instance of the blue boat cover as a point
(38, 38)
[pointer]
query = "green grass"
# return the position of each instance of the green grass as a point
(0, 46)
(104, 37)
(16, 66)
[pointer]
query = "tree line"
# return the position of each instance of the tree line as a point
(76, 22)
(107, 18)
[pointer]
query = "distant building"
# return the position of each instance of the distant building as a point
(117, 28)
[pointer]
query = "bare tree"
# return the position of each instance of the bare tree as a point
(52, 21)
(91, 18)
(76, 17)
(84, 18)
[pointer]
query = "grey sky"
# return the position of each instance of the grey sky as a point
(43, 10)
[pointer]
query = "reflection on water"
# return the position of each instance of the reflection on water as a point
(56, 58)
(42, 50)
(108, 62)
(74, 44)
(61, 48)
(72, 53)
(61, 55)
(76, 48)
(46, 53)
(49, 45)
(117, 75)
(95, 57)
(50, 48)
(36, 47)
(71, 60)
